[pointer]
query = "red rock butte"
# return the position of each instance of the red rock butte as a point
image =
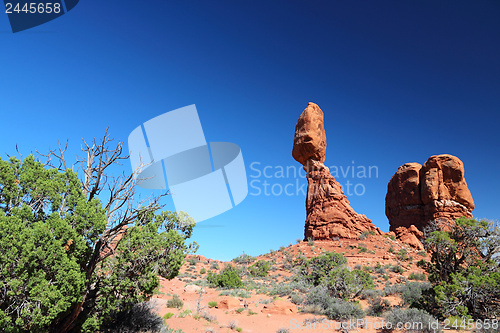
(329, 213)
(436, 191)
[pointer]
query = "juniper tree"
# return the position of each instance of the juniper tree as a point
(75, 247)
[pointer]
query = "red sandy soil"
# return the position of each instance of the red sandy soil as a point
(252, 319)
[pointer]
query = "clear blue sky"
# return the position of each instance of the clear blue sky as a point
(398, 81)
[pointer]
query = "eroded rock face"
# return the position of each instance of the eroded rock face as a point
(309, 142)
(410, 236)
(329, 213)
(437, 190)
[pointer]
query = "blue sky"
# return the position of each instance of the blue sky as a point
(398, 81)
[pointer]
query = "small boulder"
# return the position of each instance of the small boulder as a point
(229, 303)
(280, 307)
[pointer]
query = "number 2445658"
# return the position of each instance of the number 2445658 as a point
(33, 8)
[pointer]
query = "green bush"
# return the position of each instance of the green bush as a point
(296, 299)
(317, 268)
(417, 276)
(203, 270)
(417, 321)
(378, 306)
(403, 254)
(168, 315)
(228, 278)
(55, 257)
(212, 304)
(260, 268)
(343, 310)
(244, 259)
(140, 318)
(175, 302)
(397, 269)
(364, 235)
(464, 270)
(412, 292)
(346, 284)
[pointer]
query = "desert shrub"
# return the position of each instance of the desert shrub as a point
(412, 292)
(175, 302)
(185, 313)
(417, 276)
(342, 310)
(236, 293)
(371, 293)
(208, 317)
(260, 268)
(313, 309)
(203, 270)
(232, 324)
(310, 241)
(228, 278)
(362, 249)
(346, 284)
(296, 298)
(168, 315)
(416, 320)
(378, 306)
(364, 235)
(281, 289)
(391, 250)
(140, 318)
(244, 259)
(171, 330)
(397, 269)
(319, 295)
(299, 260)
(392, 289)
(317, 268)
(283, 330)
(56, 265)
(464, 270)
(193, 261)
(421, 263)
(403, 254)
(214, 265)
(379, 269)
(212, 304)
(390, 237)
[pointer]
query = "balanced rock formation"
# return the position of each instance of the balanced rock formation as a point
(329, 213)
(417, 195)
(309, 142)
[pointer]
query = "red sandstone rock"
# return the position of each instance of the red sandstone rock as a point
(403, 202)
(310, 138)
(410, 236)
(228, 303)
(280, 307)
(329, 213)
(437, 190)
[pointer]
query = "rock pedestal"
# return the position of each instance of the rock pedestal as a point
(329, 213)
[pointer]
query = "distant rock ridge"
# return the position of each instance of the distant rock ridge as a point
(436, 191)
(329, 213)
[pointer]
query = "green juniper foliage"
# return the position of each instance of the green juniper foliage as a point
(58, 272)
(464, 270)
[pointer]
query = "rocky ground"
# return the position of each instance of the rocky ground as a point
(265, 305)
